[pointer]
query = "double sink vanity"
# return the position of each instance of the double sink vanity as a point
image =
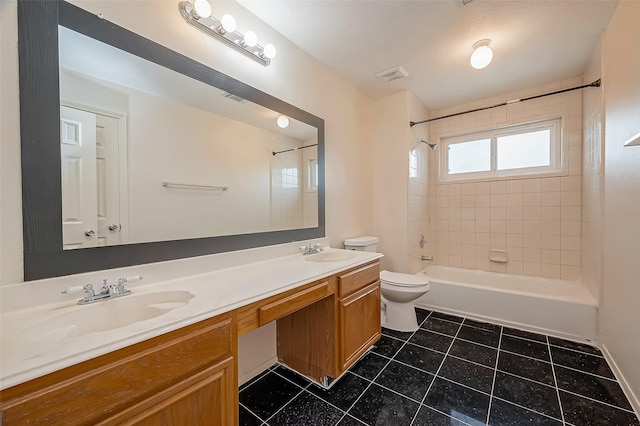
(168, 352)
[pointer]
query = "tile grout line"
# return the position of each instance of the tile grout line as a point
(589, 373)
(526, 356)
(576, 350)
(557, 346)
(598, 401)
(291, 381)
(527, 408)
(495, 373)
(282, 408)
(436, 373)
(555, 381)
(382, 369)
(246, 408)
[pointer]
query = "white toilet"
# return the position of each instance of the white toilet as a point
(398, 290)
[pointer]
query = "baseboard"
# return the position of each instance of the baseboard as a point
(257, 370)
(631, 396)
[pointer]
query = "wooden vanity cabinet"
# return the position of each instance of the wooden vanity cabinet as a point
(322, 340)
(359, 313)
(188, 376)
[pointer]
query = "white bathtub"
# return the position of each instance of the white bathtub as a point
(559, 308)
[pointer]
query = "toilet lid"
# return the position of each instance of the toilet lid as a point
(403, 280)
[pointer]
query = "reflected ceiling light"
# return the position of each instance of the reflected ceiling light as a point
(283, 121)
(198, 15)
(482, 54)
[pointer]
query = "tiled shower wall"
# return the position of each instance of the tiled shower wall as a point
(418, 207)
(536, 220)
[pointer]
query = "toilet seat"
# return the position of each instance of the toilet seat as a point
(403, 280)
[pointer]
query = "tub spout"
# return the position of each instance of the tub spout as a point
(427, 258)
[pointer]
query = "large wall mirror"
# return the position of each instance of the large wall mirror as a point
(133, 153)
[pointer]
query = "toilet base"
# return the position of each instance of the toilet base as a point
(400, 316)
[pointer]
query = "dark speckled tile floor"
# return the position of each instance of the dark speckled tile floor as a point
(452, 371)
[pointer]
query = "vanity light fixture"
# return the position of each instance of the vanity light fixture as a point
(283, 121)
(482, 54)
(198, 14)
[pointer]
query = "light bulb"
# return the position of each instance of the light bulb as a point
(250, 39)
(228, 23)
(482, 55)
(269, 51)
(202, 8)
(283, 121)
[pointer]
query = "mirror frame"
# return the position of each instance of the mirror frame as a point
(40, 146)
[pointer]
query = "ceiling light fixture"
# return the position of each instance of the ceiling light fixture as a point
(283, 121)
(198, 14)
(482, 54)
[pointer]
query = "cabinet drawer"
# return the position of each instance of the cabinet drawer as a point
(358, 278)
(89, 392)
(292, 303)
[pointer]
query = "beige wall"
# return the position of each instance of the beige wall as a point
(620, 308)
(536, 220)
(390, 171)
(400, 209)
(293, 76)
(592, 177)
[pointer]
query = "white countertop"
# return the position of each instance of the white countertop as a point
(214, 293)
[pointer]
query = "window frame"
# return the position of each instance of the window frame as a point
(556, 148)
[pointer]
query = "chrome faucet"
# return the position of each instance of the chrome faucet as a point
(106, 292)
(311, 249)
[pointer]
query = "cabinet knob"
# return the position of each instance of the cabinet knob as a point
(89, 232)
(113, 227)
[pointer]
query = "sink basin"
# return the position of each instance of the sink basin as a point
(331, 256)
(106, 315)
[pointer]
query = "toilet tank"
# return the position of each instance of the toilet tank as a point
(364, 243)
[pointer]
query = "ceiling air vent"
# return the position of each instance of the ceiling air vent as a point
(233, 97)
(392, 74)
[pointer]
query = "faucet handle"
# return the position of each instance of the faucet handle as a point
(119, 288)
(87, 288)
(318, 247)
(75, 289)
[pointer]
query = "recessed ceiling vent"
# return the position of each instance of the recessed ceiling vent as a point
(233, 97)
(393, 74)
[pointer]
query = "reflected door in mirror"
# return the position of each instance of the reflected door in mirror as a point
(90, 179)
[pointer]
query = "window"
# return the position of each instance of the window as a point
(413, 163)
(290, 178)
(518, 150)
(312, 172)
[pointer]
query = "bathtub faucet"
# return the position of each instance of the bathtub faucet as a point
(427, 258)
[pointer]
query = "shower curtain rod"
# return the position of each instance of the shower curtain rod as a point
(594, 84)
(293, 149)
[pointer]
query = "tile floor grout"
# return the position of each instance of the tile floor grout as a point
(495, 373)
(437, 371)
(385, 362)
(555, 381)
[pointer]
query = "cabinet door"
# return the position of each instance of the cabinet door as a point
(207, 398)
(359, 323)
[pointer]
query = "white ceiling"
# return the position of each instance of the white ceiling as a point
(534, 41)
